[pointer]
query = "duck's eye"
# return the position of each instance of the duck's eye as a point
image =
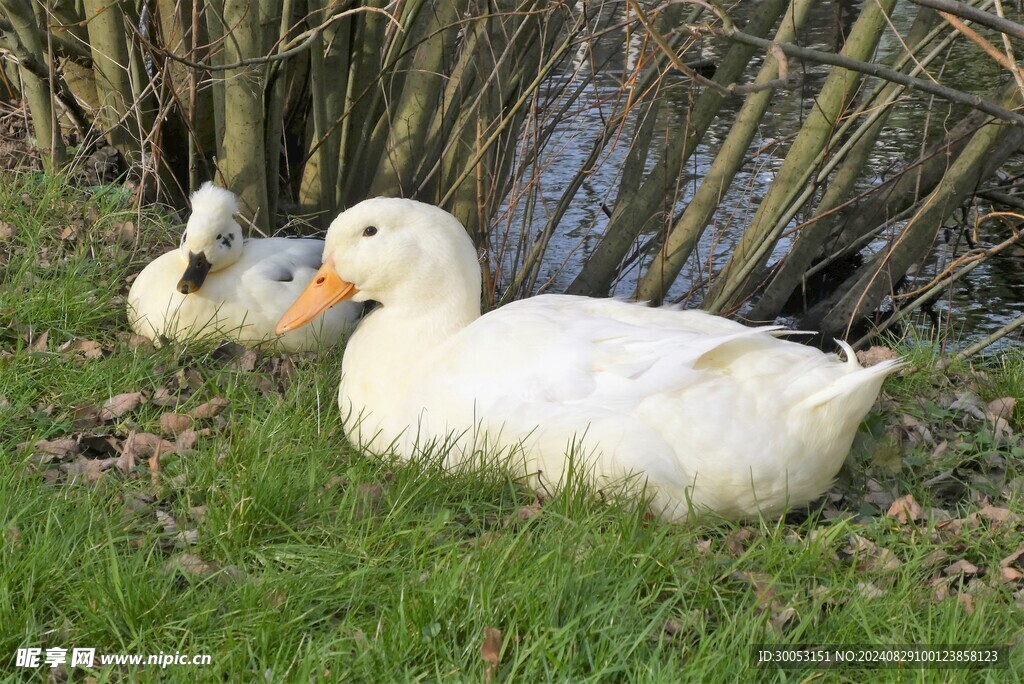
(369, 231)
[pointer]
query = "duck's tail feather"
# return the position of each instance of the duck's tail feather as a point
(858, 383)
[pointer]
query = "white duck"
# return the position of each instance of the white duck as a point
(708, 414)
(217, 285)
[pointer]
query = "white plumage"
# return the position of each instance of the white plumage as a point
(216, 285)
(703, 411)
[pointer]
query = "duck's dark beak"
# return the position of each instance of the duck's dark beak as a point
(326, 289)
(195, 273)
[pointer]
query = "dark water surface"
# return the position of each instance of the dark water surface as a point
(990, 296)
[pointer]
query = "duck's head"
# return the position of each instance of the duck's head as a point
(397, 252)
(213, 239)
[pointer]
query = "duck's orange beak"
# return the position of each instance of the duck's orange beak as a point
(325, 290)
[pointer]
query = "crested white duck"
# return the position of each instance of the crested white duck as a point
(218, 285)
(707, 414)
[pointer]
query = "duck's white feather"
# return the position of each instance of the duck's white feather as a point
(241, 301)
(708, 413)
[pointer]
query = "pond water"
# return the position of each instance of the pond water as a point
(990, 296)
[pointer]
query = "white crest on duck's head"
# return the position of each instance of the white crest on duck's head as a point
(213, 239)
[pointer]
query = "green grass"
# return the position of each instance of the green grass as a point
(313, 562)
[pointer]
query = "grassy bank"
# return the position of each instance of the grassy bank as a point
(202, 501)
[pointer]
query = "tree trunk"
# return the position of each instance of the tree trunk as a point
(632, 214)
(738, 278)
(49, 141)
(243, 163)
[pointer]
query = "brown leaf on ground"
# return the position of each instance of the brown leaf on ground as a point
(877, 494)
(182, 537)
(869, 556)
(126, 232)
(1009, 575)
(246, 362)
(86, 416)
(934, 559)
(90, 349)
(140, 446)
(737, 541)
(39, 344)
(6, 230)
(782, 618)
(46, 450)
(89, 469)
(188, 378)
(490, 650)
(967, 601)
(961, 567)
(869, 591)
(1001, 408)
(209, 409)
(186, 439)
(905, 509)
(282, 369)
(164, 397)
(995, 514)
(1015, 559)
(763, 586)
(335, 480)
(120, 404)
(136, 341)
(369, 497)
(14, 536)
(173, 424)
(527, 512)
(703, 547)
(876, 355)
(190, 565)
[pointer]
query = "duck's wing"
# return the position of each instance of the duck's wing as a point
(284, 260)
(607, 354)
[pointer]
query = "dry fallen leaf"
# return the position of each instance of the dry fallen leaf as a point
(1010, 574)
(172, 423)
(1014, 559)
(86, 416)
(190, 565)
(185, 440)
(905, 509)
(369, 496)
(46, 450)
(876, 355)
(961, 567)
(763, 588)
(40, 342)
(209, 409)
(490, 650)
(967, 601)
(1001, 408)
(737, 541)
(527, 512)
(120, 404)
(869, 591)
(90, 349)
(782, 618)
(996, 514)
(869, 556)
(164, 397)
(89, 469)
(143, 445)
